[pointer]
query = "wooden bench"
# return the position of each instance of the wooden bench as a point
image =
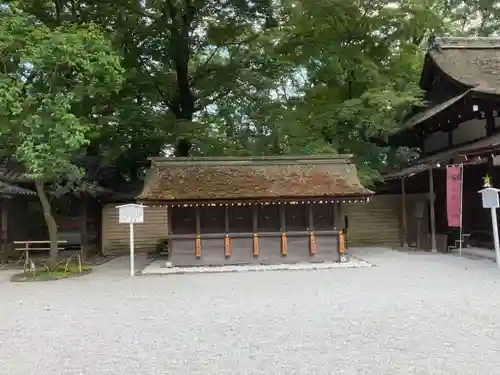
(27, 246)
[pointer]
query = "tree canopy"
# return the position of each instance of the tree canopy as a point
(217, 77)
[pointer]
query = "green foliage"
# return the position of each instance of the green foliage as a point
(43, 273)
(45, 77)
(361, 63)
(230, 77)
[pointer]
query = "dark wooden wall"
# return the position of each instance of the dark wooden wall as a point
(253, 218)
(270, 251)
(240, 223)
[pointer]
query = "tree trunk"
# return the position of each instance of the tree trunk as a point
(51, 223)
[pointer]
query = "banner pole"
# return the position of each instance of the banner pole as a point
(461, 204)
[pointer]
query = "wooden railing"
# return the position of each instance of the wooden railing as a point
(27, 246)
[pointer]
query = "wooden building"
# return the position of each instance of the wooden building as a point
(458, 125)
(77, 213)
(253, 210)
(13, 199)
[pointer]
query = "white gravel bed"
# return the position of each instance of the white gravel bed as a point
(413, 314)
(157, 267)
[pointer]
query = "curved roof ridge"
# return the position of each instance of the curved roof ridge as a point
(465, 42)
(472, 62)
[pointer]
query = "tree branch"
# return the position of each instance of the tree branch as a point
(199, 71)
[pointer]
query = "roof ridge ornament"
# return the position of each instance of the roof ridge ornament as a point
(486, 181)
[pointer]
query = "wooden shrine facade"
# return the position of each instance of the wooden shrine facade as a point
(253, 210)
(457, 125)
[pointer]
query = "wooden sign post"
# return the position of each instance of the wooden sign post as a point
(490, 200)
(131, 214)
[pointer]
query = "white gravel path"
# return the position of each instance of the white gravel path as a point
(413, 314)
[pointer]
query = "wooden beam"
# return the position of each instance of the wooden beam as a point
(433, 213)
(403, 209)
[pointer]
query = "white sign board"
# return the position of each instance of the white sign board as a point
(131, 213)
(490, 200)
(490, 197)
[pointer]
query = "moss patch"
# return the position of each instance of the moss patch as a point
(42, 274)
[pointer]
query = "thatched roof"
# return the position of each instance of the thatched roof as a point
(184, 179)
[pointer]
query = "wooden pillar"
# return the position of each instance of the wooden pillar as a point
(226, 219)
(433, 213)
(4, 230)
(281, 209)
(255, 215)
(283, 230)
(198, 219)
(169, 231)
(227, 246)
(255, 227)
(338, 220)
(84, 235)
(490, 130)
(310, 216)
(312, 237)
(403, 209)
(197, 245)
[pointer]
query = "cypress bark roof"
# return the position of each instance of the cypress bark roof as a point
(251, 178)
(13, 173)
(472, 62)
(9, 190)
(432, 111)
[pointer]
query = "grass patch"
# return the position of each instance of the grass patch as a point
(60, 272)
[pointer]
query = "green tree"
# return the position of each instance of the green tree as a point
(361, 64)
(207, 77)
(182, 58)
(46, 76)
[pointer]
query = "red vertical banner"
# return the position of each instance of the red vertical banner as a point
(453, 198)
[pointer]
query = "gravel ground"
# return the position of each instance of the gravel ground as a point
(413, 314)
